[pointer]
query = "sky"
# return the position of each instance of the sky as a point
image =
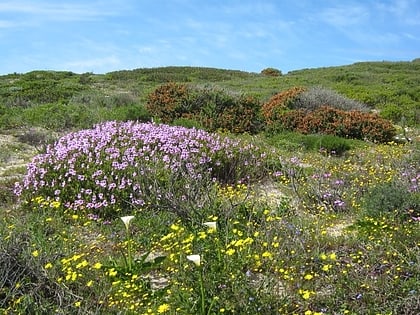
(101, 36)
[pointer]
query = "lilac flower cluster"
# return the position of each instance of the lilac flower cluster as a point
(328, 191)
(114, 164)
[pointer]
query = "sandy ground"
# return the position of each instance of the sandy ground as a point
(14, 156)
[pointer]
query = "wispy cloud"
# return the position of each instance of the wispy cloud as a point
(249, 8)
(406, 12)
(345, 15)
(107, 35)
(87, 65)
(61, 11)
(7, 24)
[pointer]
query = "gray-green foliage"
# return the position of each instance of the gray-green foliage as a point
(395, 196)
(316, 97)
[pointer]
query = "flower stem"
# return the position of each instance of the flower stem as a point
(129, 251)
(203, 306)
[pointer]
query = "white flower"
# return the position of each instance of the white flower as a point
(127, 220)
(196, 259)
(210, 225)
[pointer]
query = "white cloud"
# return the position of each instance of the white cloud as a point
(345, 15)
(249, 8)
(7, 24)
(61, 11)
(405, 11)
(86, 65)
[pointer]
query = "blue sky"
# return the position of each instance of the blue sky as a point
(250, 35)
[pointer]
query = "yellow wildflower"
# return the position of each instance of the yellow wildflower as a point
(308, 277)
(230, 252)
(98, 265)
(48, 265)
(163, 308)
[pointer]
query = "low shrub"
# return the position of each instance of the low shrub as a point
(394, 197)
(167, 102)
(271, 72)
(328, 144)
(315, 97)
(116, 167)
(331, 121)
(369, 126)
(273, 109)
(213, 108)
(187, 123)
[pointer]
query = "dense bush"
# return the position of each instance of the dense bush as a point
(212, 108)
(316, 97)
(241, 116)
(392, 112)
(272, 72)
(278, 104)
(327, 144)
(328, 120)
(168, 102)
(120, 166)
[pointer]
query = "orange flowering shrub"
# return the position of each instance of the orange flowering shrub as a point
(273, 109)
(290, 120)
(332, 121)
(326, 120)
(166, 101)
(370, 126)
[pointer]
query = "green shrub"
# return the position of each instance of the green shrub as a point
(392, 197)
(59, 116)
(187, 123)
(139, 113)
(392, 112)
(212, 108)
(11, 118)
(40, 87)
(327, 144)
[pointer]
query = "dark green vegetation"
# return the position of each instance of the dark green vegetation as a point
(112, 219)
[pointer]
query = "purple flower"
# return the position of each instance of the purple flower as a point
(96, 168)
(339, 203)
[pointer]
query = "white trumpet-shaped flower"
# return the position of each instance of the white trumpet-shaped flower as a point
(211, 225)
(127, 220)
(196, 259)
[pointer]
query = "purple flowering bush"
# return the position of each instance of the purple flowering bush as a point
(116, 167)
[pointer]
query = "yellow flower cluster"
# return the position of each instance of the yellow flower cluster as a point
(46, 203)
